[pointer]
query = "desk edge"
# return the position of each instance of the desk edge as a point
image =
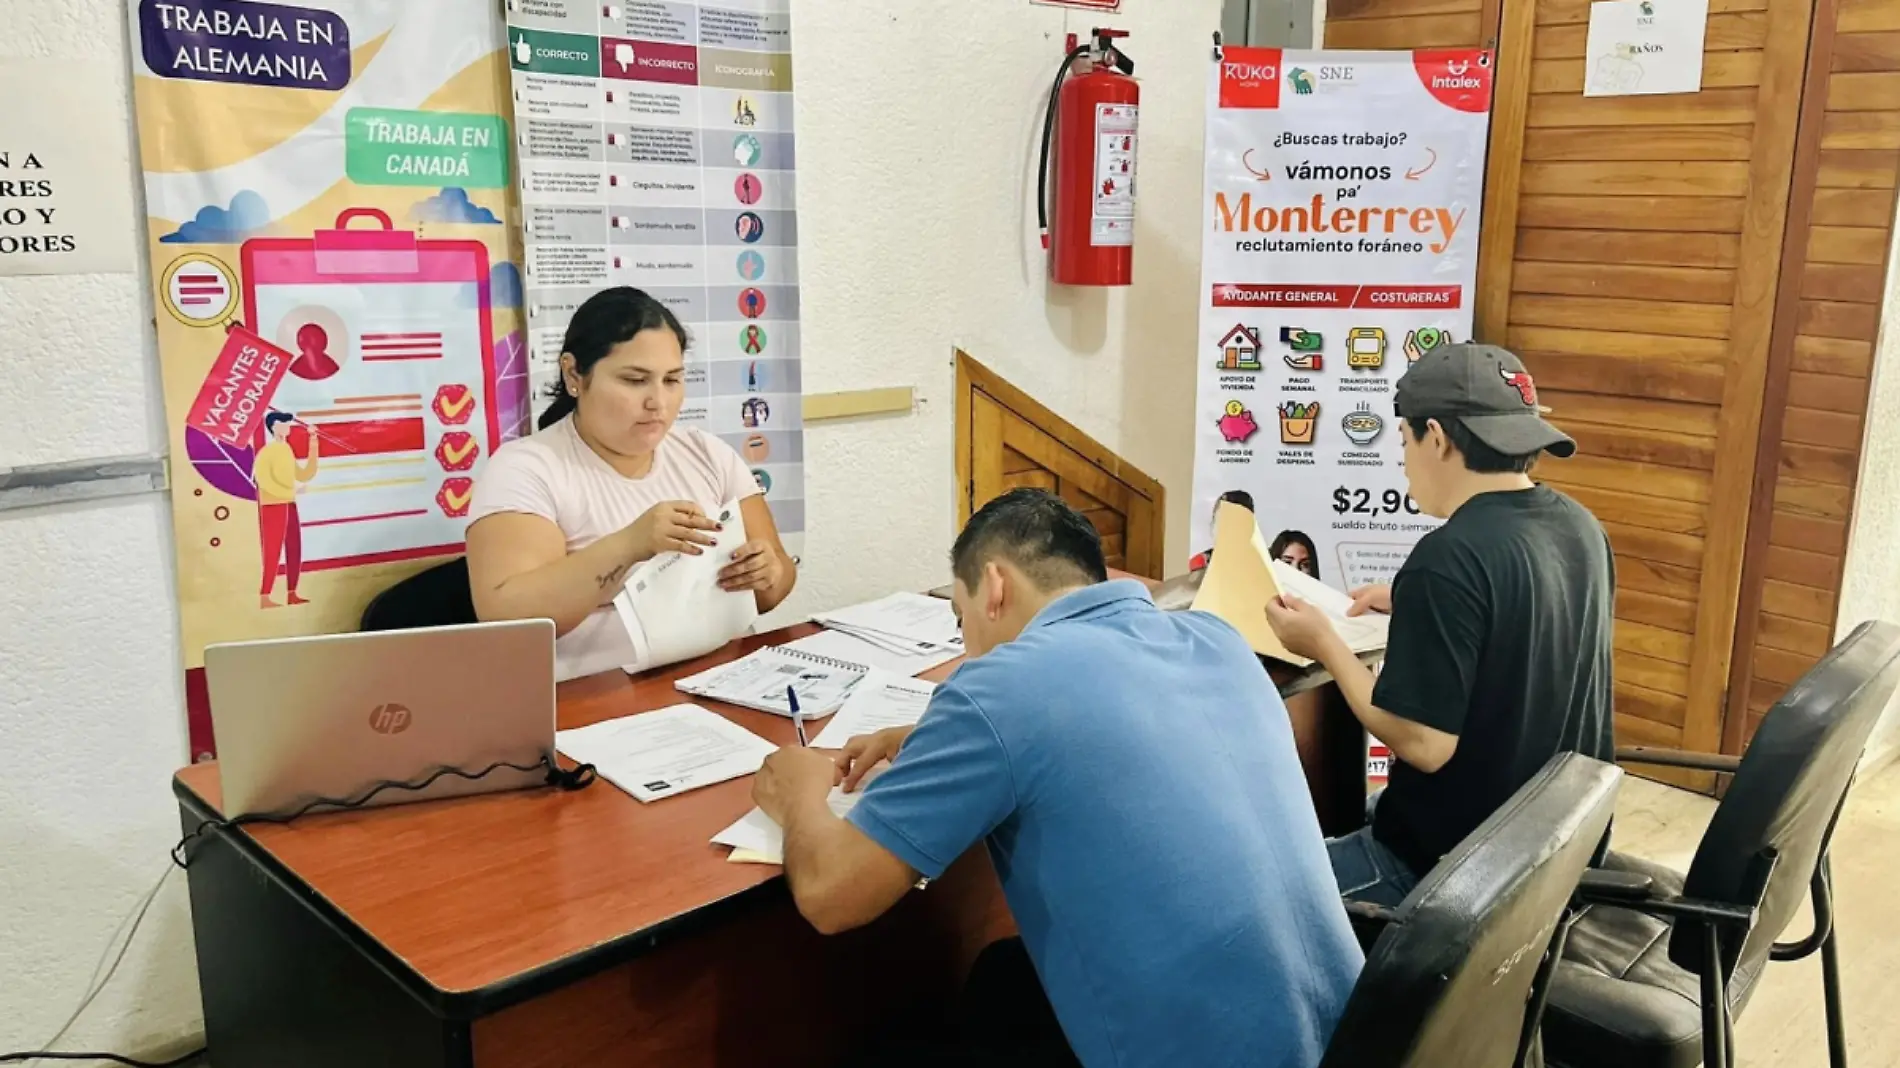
(476, 1002)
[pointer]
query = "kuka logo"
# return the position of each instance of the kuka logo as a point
(390, 719)
(1250, 78)
(1249, 72)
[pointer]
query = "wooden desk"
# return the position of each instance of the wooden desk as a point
(539, 929)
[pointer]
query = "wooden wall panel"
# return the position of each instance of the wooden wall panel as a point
(1811, 430)
(1006, 440)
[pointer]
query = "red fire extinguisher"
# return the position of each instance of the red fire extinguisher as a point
(1095, 112)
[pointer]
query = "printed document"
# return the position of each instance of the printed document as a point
(757, 839)
(840, 645)
(669, 751)
(1242, 578)
(902, 621)
(1363, 634)
(759, 680)
(672, 605)
(881, 700)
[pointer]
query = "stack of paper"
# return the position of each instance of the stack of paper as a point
(880, 700)
(903, 622)
(1242, 578)
(667, 751)
(839, 645)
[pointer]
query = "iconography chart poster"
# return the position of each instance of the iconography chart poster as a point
(340, 330)
(656, 151)
(1342, 200)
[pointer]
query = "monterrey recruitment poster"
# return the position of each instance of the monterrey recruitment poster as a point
(656, 151)
(339, 307)
(1342, 205)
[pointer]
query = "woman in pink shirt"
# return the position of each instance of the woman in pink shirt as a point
(559, 518)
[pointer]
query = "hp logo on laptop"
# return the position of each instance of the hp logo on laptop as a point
(390, 719)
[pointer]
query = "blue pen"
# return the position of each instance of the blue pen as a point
(798, 718)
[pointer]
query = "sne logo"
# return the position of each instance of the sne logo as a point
(390, 719)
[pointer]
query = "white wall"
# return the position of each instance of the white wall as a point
(91, 710)
(916, 175)
(1870, 583)
(917, 146)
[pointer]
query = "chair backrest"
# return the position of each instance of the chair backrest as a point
(437, 597)
(1448, 980)
(1767, 834)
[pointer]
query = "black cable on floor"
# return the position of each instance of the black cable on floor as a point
(114, 1058)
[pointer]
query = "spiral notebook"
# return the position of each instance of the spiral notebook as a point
(759, 681)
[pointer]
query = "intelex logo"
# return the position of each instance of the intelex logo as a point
(1457, 76)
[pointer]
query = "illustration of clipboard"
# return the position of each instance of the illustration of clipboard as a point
(394, 369)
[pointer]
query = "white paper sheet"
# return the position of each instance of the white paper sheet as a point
(672, 605)
(922, 621)
(881, 700)
(843, 645)
(1644, 47)
(1362, 634)
(757, 839)
(668, 751)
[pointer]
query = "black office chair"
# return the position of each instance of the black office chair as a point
(1458, 975)
(1655, 970)
(437, 597)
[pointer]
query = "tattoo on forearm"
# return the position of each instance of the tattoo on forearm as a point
(611, 577)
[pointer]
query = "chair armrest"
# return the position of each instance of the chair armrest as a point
(1366, 912)
(1677, 758)
(1601, 887)
(1368, 922)
(1637, 892)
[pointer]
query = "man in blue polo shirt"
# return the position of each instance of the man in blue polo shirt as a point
(1134, 775)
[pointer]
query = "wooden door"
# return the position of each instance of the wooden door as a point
(1632, 256)
(1006, 440)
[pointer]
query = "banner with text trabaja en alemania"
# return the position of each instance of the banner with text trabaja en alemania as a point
(338, 302)
(1342, 204)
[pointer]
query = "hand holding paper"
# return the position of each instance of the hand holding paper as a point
(1302, 626)
(673, 527)
(1242, 581)
(754, 566)
(790, 777)
(673, 606)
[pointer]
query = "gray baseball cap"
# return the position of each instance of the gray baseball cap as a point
(1487, 389)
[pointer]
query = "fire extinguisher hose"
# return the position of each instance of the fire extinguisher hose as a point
(1048, 137)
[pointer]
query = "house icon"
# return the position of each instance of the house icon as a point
(1240, 350)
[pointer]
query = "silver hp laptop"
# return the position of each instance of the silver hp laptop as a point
(297, 719)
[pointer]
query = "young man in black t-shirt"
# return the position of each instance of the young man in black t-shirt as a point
(1499, 656)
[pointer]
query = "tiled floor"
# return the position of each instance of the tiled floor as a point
(1783, 1026)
